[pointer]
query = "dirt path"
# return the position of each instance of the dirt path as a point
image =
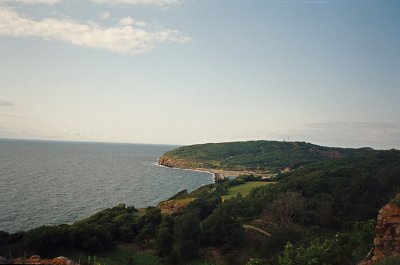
(250, 227)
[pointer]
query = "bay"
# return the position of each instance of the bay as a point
(49, 183)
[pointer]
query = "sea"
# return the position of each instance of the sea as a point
(51, 183)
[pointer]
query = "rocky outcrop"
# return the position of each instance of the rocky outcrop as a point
(177, 163)
(173, 206)
(387, 240)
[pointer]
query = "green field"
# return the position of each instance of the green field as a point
(245, 188)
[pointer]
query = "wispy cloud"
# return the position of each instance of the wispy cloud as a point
(375, 134)
(126, 39)
(30, 2)
(6, 103)
(160, 3)
(128, 21)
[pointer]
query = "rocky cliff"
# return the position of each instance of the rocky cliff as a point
(387, 240)
(178, 163)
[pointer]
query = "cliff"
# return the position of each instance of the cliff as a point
(387, 240)
(178, 163)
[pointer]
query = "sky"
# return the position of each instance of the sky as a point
(196, 71)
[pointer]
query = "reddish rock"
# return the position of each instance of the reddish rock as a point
(387, 240)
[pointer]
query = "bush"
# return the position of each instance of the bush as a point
(220, 228)
(389, 261)
(187, 234)
(316, 253)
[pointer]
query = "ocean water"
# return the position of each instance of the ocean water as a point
(47, 183)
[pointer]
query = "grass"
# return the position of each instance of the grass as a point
(244, 189)
(141, 211)
(118, 256)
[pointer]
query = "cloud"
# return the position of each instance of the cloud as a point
(375, 134)
(365, 126)
(104, 15)
(9, 115)
(119, 39)
(30, 2)
(160, 3)
(6, 103)
(380, 135)
(128, 21)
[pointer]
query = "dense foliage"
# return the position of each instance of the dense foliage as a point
(319, 213)
(270, 156)
(98, 232)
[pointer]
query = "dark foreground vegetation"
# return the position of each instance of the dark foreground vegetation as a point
(322, 212)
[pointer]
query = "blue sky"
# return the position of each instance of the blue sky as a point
(191, 71)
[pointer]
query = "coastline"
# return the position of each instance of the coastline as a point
(217, 174)
(213, 174)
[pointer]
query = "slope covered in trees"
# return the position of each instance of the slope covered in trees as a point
(322, 212)
(266, 156)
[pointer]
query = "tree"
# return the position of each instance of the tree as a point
(152, 216)
(165, 238)
(286, 207)
(220, 228)
(204, 205)
(316, 253)
(187, 234)
(148, 225)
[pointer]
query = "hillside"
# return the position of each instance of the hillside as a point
(258, 156)
(324, 211)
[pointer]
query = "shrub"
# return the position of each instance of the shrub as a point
(389, 261)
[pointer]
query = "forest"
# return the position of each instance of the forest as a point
(262, 155)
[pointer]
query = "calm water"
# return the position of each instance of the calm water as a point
(44, 183)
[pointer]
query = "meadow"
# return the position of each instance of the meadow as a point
(244, 188)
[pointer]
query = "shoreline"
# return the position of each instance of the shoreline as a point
(217, 174)
(213, 174)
